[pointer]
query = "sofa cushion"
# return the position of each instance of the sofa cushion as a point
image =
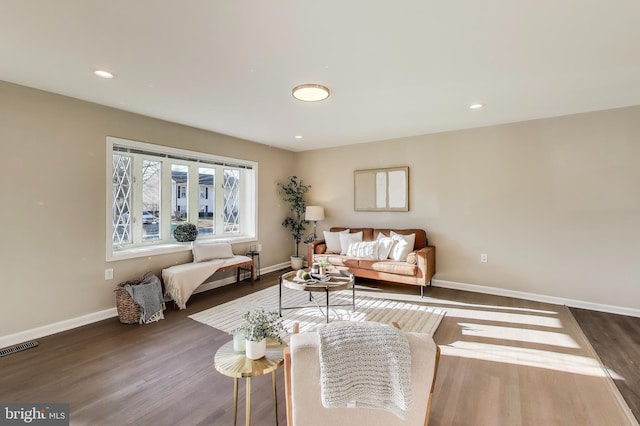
(346, 239)
(385, 244)
(363, 249)
(332, 240)
(208, 250)
(402, 247)
(421, 236)
(389, 266)
(367, 233)
(337, 260)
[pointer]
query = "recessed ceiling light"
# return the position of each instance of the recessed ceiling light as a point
(298, 136)
(104, 74)
(476, 106)
(310, 92)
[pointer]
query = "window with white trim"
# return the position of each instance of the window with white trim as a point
(151, 189)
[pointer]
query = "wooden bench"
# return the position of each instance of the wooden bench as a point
(181, 280)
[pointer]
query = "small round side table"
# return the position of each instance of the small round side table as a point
(237, 365)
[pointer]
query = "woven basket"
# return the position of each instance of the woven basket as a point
(128, 309)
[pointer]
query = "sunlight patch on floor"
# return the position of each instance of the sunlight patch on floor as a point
(503, 317)
(464, 305)
(556, 361)
(519, 334)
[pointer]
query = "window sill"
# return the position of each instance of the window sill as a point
(164, 248)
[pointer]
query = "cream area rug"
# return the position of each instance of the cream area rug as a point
(378, 307)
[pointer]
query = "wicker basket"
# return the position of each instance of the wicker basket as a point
(128, 309)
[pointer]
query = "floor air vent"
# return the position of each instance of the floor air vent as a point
(17, 348)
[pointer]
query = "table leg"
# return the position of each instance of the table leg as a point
(280, 297)
(275, 396)
(248, 409)
(327, 304)
(353, 296)
(235, 401)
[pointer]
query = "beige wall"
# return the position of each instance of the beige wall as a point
(52, 183)
(554, 203)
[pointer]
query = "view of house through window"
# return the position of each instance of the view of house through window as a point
(154, 188)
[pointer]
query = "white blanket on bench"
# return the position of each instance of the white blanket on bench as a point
(181, 280)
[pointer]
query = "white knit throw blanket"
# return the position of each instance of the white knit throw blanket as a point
(365, 365)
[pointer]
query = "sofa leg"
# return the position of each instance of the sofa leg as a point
(430, 282)
(421, 291)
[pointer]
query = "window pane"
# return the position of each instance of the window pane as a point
(231, 187)
(151, 179)
(206, 202)
(121, 181)
(179, 194)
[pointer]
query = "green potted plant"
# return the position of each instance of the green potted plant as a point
(185, 232)
(258, 326)
(293, 192)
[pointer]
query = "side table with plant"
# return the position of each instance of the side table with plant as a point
(258, 326)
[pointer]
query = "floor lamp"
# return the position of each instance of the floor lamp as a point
(314, 214)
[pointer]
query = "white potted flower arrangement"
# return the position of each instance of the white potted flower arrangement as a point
(257, 327)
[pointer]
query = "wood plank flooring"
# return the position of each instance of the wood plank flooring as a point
(504, 361)
(616, 339)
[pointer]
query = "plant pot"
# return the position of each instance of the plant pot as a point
(297, 262)
(255, 350)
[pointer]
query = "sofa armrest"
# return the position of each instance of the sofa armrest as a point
(314, 247)
(426, 264)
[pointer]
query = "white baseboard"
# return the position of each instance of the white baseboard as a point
(621, 310)
(57, 327)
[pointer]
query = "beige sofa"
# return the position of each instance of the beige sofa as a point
(418, 269)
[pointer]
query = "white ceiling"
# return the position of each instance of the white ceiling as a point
(395, 68)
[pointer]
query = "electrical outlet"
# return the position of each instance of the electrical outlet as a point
(259, 247)
(484, 258)
(108, 274)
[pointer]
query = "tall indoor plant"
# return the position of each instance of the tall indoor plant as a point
(293, 192)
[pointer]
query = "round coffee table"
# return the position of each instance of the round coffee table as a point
(237, 365)
(335, 281)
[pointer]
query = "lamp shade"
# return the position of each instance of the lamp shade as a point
(314, 213)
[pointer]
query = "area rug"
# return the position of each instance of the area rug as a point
(380, 307)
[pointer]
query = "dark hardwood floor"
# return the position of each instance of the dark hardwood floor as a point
(616, 340)
(154, 374)
(163, 374)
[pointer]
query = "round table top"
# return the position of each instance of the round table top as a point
(337, 281)
(236, 364)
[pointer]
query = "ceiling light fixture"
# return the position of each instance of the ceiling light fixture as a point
(298, 136)
(104, 74)
(310, 92)
(476, 106)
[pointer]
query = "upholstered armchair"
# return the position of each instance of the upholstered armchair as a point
(303, 388)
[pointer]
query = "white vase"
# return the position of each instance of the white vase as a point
(297, 262)
(255, 350)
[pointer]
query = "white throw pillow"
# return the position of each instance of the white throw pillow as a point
(346, 239)
(332, 240)
(403, 246)
(211, 250)
(367, 249)
(385, 244)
